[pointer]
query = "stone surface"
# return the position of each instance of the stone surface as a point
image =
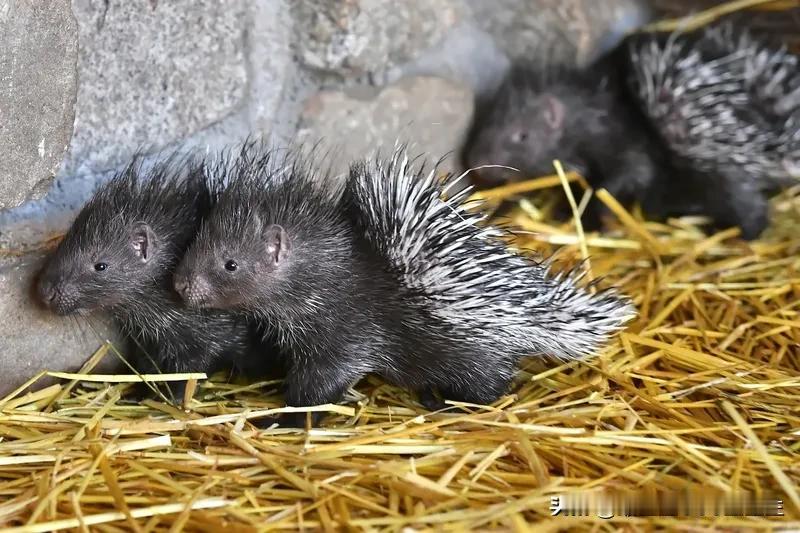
(465, 55)
(153, 73)
(558, 31)
(271, 105)
(354, 37)
(33, 339)
(276, 85)
(38, 51)
(431, 114)
(29, 225)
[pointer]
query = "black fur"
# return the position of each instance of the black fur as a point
(138, 225)
(699, 123)
(580, 117)
(328, 306)
(289, 249)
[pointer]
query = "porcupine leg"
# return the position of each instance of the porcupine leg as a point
(677, 196)
(627, 183)
(563, 211)
(484, 391)
(592, 219)
(175, 390)
(264, 360)
(315, 385)
(427, 397)
(163, 360)
(735, 201)
(144, 363)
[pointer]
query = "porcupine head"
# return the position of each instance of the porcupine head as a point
(518, 128)
(235, 266)
(123, 243)
(265, 237)
(244, 253)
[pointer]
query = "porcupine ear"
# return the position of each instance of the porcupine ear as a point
(143, 241)
(553, 112)
(278, 243)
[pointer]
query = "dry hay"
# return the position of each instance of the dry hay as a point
(701, 391)
(777, 18)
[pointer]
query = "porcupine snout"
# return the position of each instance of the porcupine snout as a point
(55, 296)
(47, 291)
(194, 289)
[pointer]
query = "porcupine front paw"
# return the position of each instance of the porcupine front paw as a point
(483, 392)
(592, 219)
(314, 386)
(738, 203)
(174, 391)
(755, 222)
(138, 392)
(289, 420)
(427, 397)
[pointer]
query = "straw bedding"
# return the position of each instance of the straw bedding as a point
(701, 391)
(778, 18)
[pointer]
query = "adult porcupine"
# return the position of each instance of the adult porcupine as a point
(696, 123)
(118, 257)
(386, 278)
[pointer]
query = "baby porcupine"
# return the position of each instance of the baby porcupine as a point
(721, 96)
(699, 123)
(118, 257)
(726, 104)
(577, 116)
(386, 278)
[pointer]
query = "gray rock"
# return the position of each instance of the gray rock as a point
(559, 31)
(153, 73)
(32, 339)
(270, 108)
(38, 51)
(466, 55)
(354, 37)
(276, 86)
(431, 114)
(28, 226)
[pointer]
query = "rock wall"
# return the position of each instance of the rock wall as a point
(85, 84)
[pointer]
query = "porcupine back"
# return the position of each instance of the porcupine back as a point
(382, 277)
(330, 302)
(461, 272)
(723, 100)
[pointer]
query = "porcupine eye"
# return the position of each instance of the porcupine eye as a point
(231, 266)
(100, 267)
(519, 137)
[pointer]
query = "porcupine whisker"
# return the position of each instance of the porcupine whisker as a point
(464, 174)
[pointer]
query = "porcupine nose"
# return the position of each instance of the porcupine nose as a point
(183, 287)
(47, 292)
(193, 290)
(56, 296)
